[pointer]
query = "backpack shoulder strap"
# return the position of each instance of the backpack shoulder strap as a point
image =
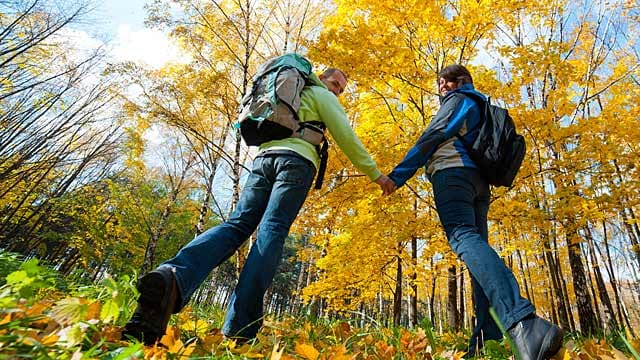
(475, 97)
(481, 105)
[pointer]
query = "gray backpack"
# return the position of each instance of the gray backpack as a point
(269, 110)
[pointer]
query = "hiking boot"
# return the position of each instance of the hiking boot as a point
(536, 338)
(158, 298)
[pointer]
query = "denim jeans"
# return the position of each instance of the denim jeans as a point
(272, 196)
(462, 201)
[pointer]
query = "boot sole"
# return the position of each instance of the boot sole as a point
(552, 343)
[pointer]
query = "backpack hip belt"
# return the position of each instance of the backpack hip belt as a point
(311, 132)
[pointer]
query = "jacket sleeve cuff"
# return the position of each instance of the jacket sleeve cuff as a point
(374, 175)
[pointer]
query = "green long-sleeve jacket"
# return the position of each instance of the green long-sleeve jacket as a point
(317, 103)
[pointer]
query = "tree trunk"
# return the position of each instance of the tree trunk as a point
(240, 253)
(397, 295)
(563, 284)
(524, 277)
(612, 277)
(204, 209)
(461, 311)
(611, 322)
(594, 295)
(70, 260)
(452, 301)
(150, 252)
(432, 299)
(586, 317)
(554, 271)
(633, 231)
(296, 301)
(413, 319)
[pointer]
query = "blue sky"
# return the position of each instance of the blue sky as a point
(111, 14)
(118, 26)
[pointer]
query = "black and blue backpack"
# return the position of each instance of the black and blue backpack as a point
(498, 150)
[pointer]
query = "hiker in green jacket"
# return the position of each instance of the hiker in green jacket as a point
(275, 190)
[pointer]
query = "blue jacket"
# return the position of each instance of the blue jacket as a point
(439, 148)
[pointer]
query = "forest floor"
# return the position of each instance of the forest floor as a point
(42, 317)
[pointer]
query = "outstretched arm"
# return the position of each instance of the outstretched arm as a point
(445, 124)
(334, 117)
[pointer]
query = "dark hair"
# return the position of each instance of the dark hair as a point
(330, 71)
(457, 73)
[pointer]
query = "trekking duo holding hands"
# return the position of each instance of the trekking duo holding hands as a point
(290, 101)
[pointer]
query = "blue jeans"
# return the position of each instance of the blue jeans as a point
(272, 196)
(462, 201)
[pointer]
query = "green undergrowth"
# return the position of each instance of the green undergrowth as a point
(46, 316)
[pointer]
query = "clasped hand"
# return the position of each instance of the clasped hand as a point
(386, 184)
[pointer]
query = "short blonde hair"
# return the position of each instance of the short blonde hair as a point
(330, 71)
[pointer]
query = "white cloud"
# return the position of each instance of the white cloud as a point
(148, 47)
(80, 41)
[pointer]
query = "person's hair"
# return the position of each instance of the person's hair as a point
(457, 73)
(330, 71)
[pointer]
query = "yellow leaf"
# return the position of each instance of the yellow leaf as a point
(244, 349)
(342, 330)
(71, 335)
(253, 355)
(6, 319)
(211, 341)
(385, 350)
(182, 351)
(155, 352)
(307, 327)
(342, 357)
(307, 351)
(198, 326)
(36, 309)
(93, 312)
(369, 339)
(68, 311)
(111, 333)
(563, 354)
(109, 311)
(231, 344)
(171, 337)
(458, 355)
(49, 339)
(340, 353)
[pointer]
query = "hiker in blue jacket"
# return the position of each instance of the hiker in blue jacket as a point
(462, 197)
